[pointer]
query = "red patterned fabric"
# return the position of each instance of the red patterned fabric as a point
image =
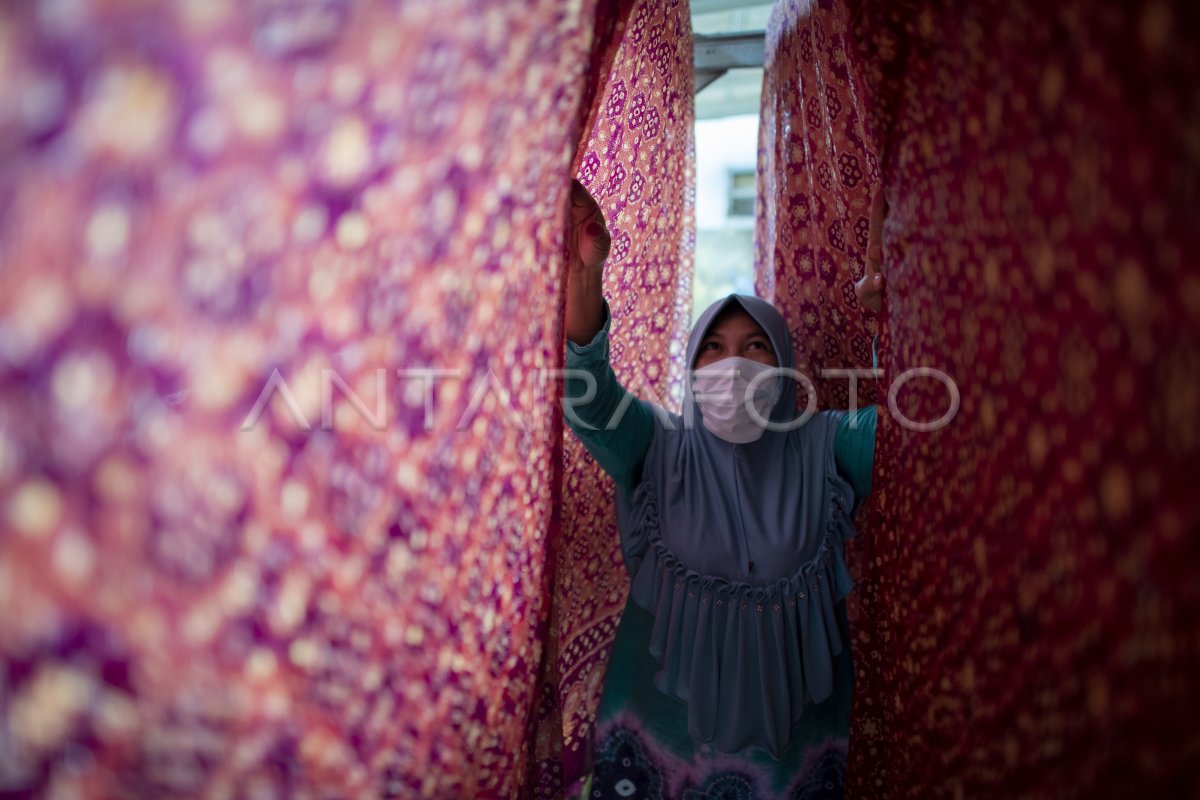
(204, 204)
(637, 159)
(817, 174)
(1027, 620)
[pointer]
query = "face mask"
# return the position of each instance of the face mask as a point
(721, 390)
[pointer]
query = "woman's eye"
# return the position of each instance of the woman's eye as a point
(759, 345)
(709, 346)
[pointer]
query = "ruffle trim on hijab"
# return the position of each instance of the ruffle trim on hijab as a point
(747, 660)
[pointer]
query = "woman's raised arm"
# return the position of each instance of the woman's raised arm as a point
(613, 425)
(588, 242)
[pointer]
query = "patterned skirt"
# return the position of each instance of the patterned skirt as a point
(643, 750)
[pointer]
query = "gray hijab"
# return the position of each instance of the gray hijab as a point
(773, 324)
(736, 550)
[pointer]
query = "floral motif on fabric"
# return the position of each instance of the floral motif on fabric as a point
(825, 779)
(204, 203)
(1025, 600)
(724, 786)
(624, 771)
(637, 160)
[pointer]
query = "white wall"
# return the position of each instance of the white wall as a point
(724, 246)
(722, 145)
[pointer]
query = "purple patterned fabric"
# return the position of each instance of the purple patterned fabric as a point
(636, 157)
(1026, 573)
(207, 204)
(817, 174)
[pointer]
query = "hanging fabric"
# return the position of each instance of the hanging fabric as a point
(818, 173)
(279, 297)
(1027, 615)
(636, 157)
(817, 176)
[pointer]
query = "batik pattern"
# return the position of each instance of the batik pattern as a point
(1026, 572)
(637, 159)
(816, 177)
(205, 204)
(631, 764)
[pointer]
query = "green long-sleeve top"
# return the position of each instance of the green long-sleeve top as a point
(620, 448)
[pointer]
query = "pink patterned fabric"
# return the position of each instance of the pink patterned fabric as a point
(1027, 620)
(637, 160)
(204, 204)
(817, 174)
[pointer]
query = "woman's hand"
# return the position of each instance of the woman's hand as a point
(869, 288)
(587, 243)
(588, 240)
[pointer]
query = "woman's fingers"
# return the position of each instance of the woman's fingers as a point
(587, 235)
(582, 202)
(869, 291)
(594, 240)
(878, 212)
(869, 288)
(874, 259)
(579, 193)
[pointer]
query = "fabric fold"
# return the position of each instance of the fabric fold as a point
(748, 660)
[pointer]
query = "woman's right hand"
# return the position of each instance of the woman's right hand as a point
(588, 240)
(587, 244)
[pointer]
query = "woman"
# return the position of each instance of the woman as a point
(730, 675)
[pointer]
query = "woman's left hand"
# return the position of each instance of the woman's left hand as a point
(869, 289)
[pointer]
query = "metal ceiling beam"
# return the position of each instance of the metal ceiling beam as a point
(729, 50)
(711, 6)
(713, 56)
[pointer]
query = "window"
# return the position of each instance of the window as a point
(741, 193)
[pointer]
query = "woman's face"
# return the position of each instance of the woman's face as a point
(735, 335)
